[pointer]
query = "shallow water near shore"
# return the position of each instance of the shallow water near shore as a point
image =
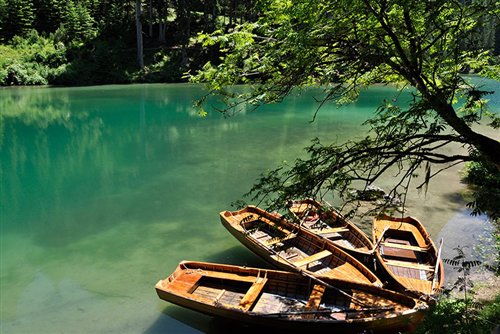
(105, 189)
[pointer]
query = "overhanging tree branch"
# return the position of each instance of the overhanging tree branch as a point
(347, 45)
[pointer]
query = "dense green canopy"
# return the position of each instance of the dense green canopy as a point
(81, 42)
(346, 45)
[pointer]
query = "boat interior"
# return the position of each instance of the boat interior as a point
(329, 226)
(284, 295)
(301, 249)
(405, 257)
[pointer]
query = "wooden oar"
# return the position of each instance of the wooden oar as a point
(303, 273)
(379, 240)
(438, 260)
(368, 310)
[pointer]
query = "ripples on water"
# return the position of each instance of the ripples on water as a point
(105, 189)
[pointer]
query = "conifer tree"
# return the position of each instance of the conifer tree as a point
(19, 18)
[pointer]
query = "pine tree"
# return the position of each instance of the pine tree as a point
(50, 14)
(19, 18)
(3, 18)
(79, 24)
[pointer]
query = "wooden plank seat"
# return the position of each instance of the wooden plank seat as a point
(332, 230)
(259, 235)
(228, 276)
(407, 247)
(409, 265)
(312, 258)
(274, 241)
(398, 254)
(315, 297)
(314, 300)
(280, 228)
(186, 282)
(251, 296)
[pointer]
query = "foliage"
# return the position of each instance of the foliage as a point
(448, 317)
(484, 180)
(79, 25)
(463, 266)
(50, 15)
(17, 17)
(166, 67)
(90, 28)
(33, 60)
(462, 315)
(491, 312)
(99, 63)
(344, 47)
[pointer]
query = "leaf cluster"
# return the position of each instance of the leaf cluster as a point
(344, 46)
(484, 182)
(31, 61)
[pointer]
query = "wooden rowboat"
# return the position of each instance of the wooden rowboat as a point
(289, 248)
(330, 224)
(408, 255)
(286, 300)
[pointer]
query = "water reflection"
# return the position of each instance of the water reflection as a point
(105, 189)
(47, 140)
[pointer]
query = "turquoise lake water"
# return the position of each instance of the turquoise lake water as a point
(105, 189)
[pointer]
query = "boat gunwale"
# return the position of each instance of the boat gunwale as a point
(235, 229)
(429, 244)
(396, 297)
(358, 233)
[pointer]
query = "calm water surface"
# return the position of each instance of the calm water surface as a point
(105, 189)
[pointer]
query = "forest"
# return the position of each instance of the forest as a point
(86, 42)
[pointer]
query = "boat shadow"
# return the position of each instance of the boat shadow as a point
(178, 320)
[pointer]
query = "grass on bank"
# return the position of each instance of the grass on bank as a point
(462, 316)
(471, 304)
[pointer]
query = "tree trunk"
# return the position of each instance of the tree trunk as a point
(162, 25)
(488, 147)
(138, 23)
(150, 18)
(210, 15)
(185, 21)
(231, 12)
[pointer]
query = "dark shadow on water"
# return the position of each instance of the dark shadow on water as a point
(176, 319)
(454, 198)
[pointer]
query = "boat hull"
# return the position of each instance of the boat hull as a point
(404, 321)
(344, 265)
(407, 256)
(353, 241)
